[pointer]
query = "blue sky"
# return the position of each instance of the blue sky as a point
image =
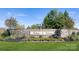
(29, 16)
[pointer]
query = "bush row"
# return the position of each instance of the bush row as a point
(72, 38)
(46, 39)
(11, 38)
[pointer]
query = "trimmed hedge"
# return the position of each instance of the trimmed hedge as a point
(46, 39)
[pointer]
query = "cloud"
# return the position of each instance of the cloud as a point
(16, 14)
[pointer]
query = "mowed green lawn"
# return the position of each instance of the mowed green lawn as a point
(39, 46)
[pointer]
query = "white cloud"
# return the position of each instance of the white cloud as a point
(9, 14)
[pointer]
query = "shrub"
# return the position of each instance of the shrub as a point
(77, 33)
(1, 38)
(72, 38)
(40, 36)
(66, 39)
(6, 33)
(14, 38)
(46, 39)
(57, 33)
(73, 33)
(77, 37)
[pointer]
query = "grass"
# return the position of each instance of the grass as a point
(39, 46)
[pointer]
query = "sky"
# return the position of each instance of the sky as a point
(29, 16)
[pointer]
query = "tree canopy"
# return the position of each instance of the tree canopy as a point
(36, 26)
(58, 20)
(11, 23)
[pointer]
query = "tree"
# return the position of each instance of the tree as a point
(36, 26)
(66, 14)
(53, 20)
(20, 26)
(11, 23)
(58, 20)
(48, 20)
(69, 23)
(28, 27)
